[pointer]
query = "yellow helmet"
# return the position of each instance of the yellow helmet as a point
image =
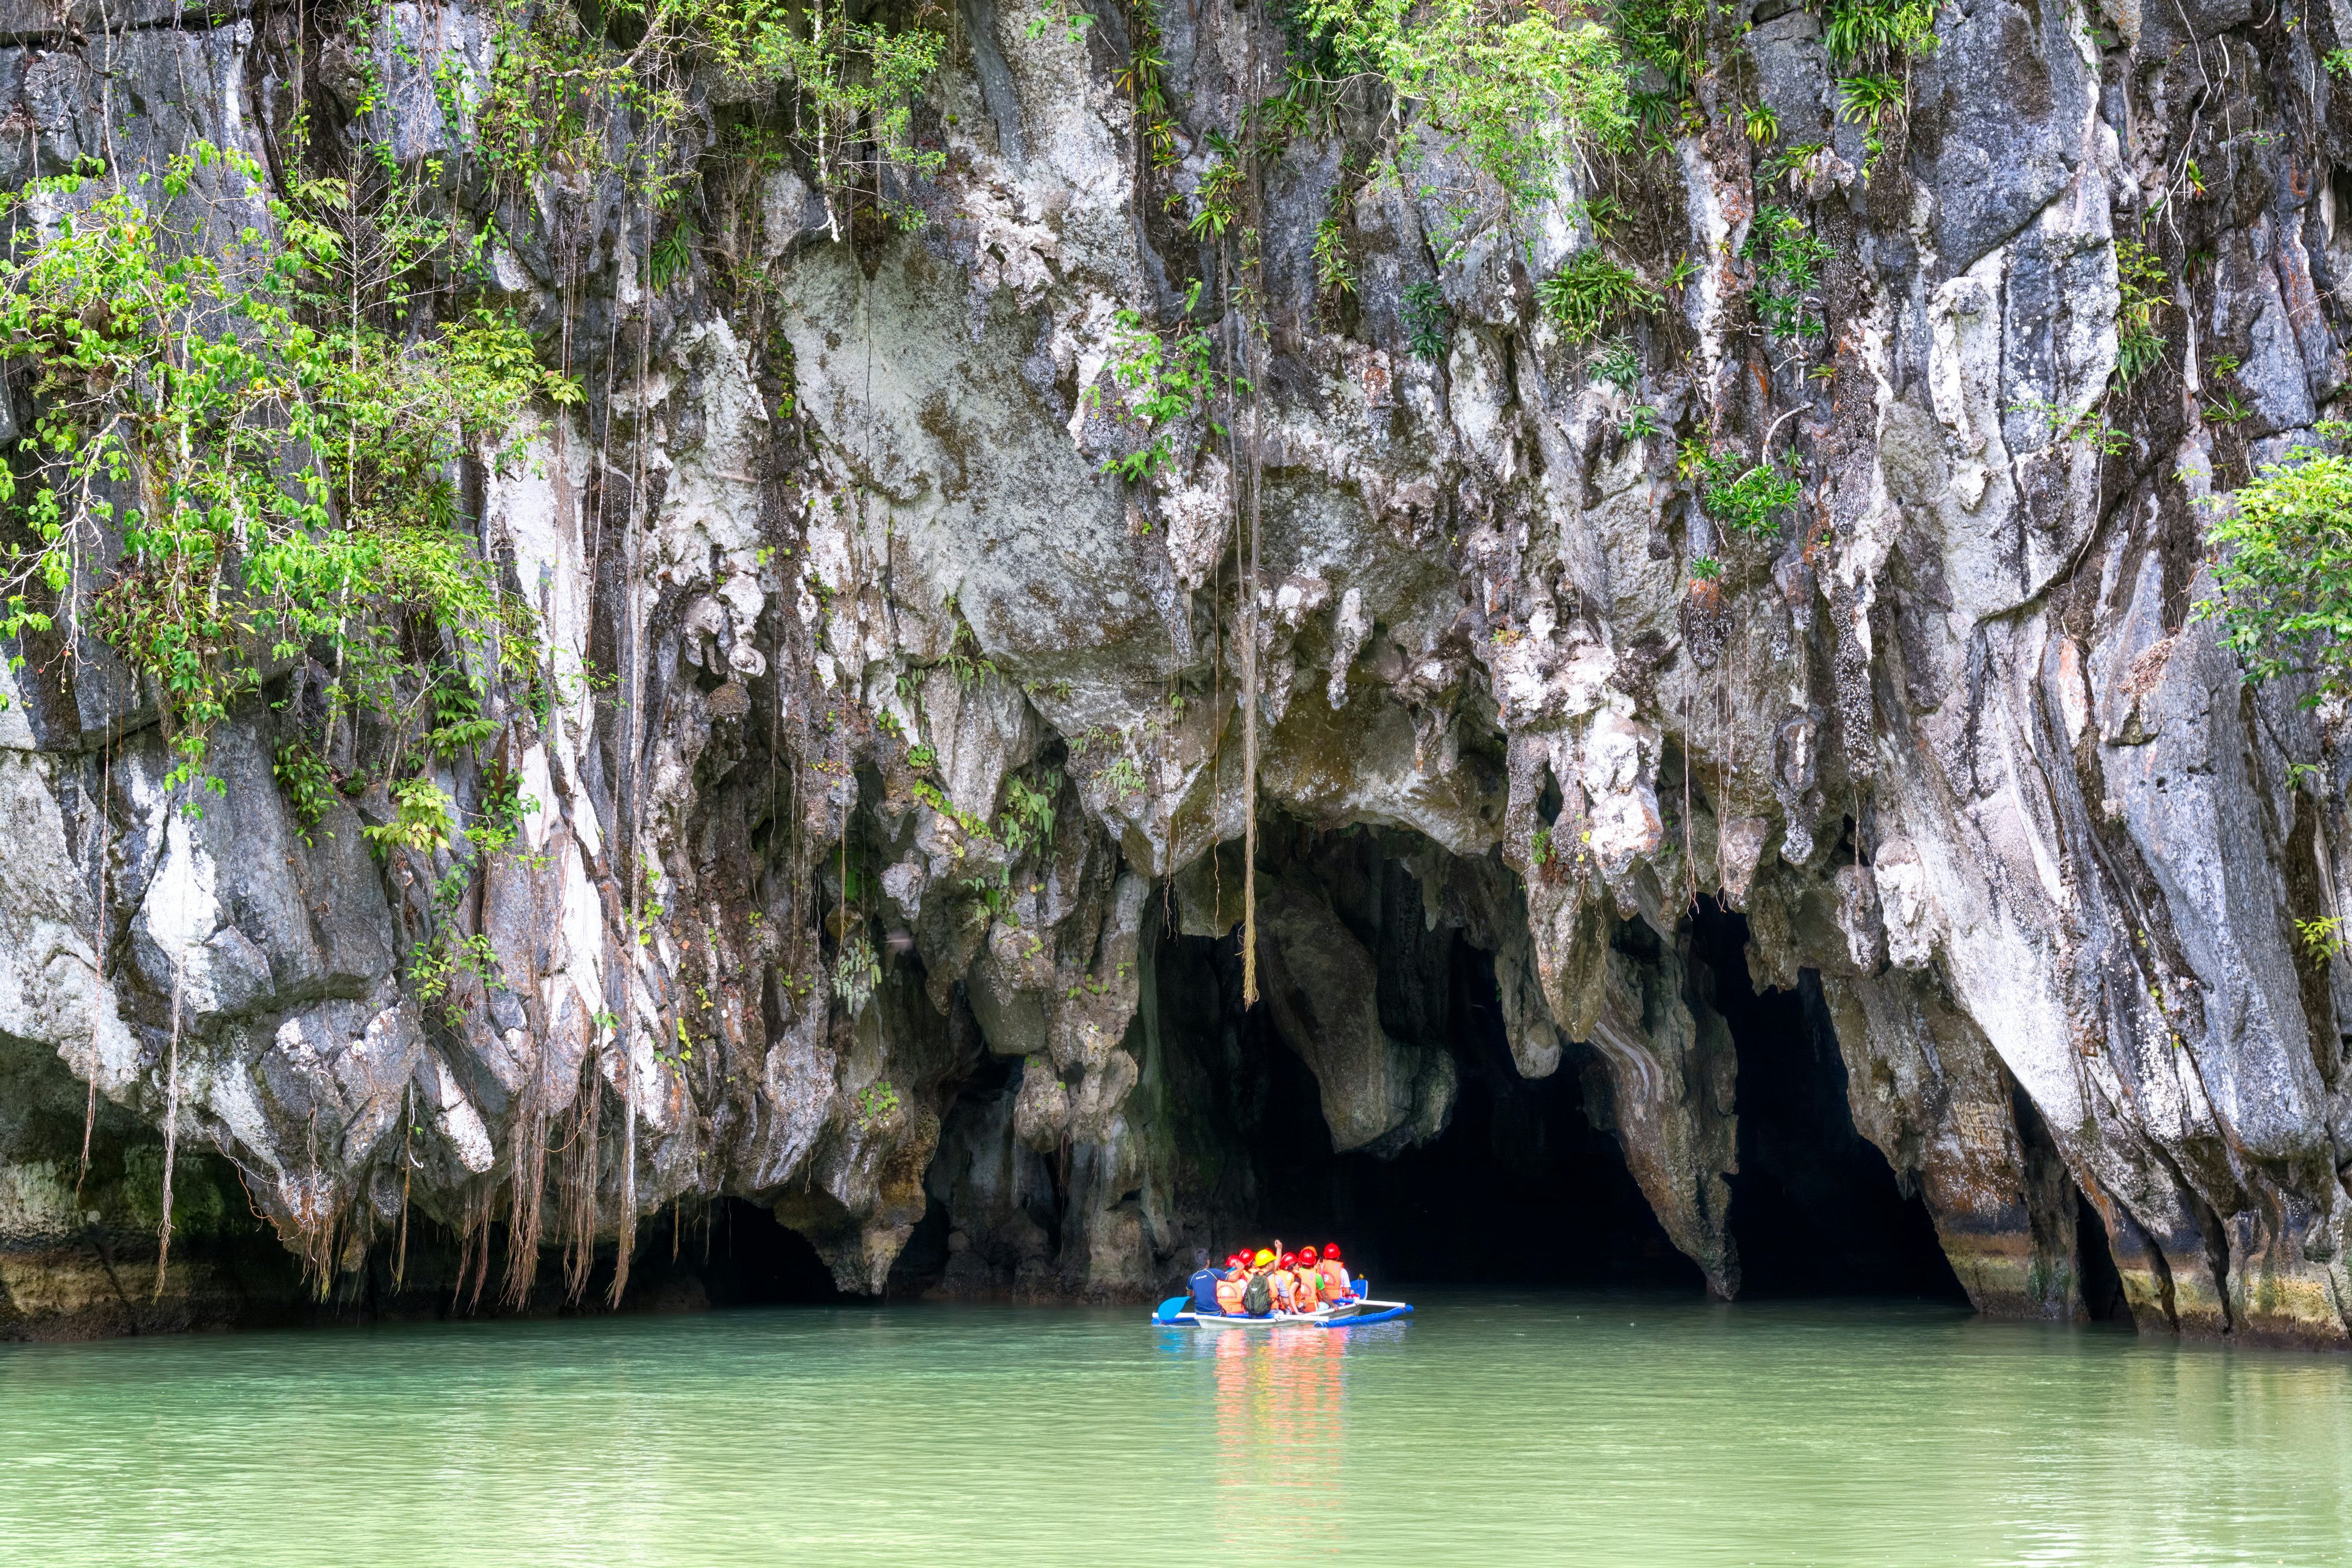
(1265, 1260)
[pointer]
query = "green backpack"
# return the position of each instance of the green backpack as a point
(1257, 1296)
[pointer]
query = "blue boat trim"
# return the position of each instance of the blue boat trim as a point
(1363, 1319)
(1173, 1313)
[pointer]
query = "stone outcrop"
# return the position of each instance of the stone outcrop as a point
(828, 576)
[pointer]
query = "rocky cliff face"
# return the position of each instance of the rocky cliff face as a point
(893, 778)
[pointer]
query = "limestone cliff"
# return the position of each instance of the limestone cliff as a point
(890, 735)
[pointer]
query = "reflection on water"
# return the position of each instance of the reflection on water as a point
(1489, 1429)
(1281, 1427)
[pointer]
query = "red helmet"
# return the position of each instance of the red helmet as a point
(1290, 1259)
(1331, 1252)
(1236, 1259)
(1306, 1254)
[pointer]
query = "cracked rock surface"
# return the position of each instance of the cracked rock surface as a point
(827, 575)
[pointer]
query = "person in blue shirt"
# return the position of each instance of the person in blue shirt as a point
(1203, 1283)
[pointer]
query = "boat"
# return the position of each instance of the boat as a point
(1178, 1311)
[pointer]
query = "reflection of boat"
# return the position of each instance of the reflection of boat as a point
(1177, 1312)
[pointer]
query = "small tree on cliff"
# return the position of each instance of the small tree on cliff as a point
(2283, 561)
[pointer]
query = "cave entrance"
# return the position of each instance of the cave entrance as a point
(2102, 1284)
(729, 1252)
(1519, 1189)
(1513, 1184)
(1815, 1209)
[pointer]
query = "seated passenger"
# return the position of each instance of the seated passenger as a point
(1310, 1280)
(1202, 1284)
(1335, 1274)
(1229, 1287)
(1257, 1291)
(1286, 1283)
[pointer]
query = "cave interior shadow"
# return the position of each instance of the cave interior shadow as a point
(1816, 1210)
(1522, 1189)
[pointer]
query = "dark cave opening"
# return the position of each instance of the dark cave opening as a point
(2102, 1284)
(729, 1252)
(1520, 1189)
(699, 1253)
(1517, 1186)
(1815, 1209)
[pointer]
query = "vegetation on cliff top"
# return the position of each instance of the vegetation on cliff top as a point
(273, 460)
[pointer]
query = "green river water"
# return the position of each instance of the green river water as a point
(1491, 1428)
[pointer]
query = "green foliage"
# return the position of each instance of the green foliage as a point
(1789, 163)
(854, 86)
(1640, 423)
(874, 1104)
(1073, 22)
(673, 254)
(1590, 291)
(421, 819)
(1218, 197)
(1540, 848)
(922, 759)
(963, 659)
(1169, 379)
(2139, 344)
(2077, 424)
(459, 728)
(1705, 569)
(1616, 364)
(1144, 79)
(2282, 563)
(973, 826)
(1761, 124)
(1422, 313)
(1747, 498)
(302, 774)
(504, 806)
(1515, 88)
(546, 75)
(1878, 32)
(1122, 779)
(1788, 258)
(438, 966)
(1334, 271)
(1666, 34)
(2338, 63)
(2228, 409)
(264, 429)
(1026, 823)
(856, 971)
(1870, 100)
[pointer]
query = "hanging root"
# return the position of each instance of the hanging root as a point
(96, 973)
(408, 1170)
(525, 1208)
(474, 1247)
(170, 1139)
(576, 1179)
(627, 1241)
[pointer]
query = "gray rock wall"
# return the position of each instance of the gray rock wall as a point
(841, 559)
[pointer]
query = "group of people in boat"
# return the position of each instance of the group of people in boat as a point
(1270, 1280)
